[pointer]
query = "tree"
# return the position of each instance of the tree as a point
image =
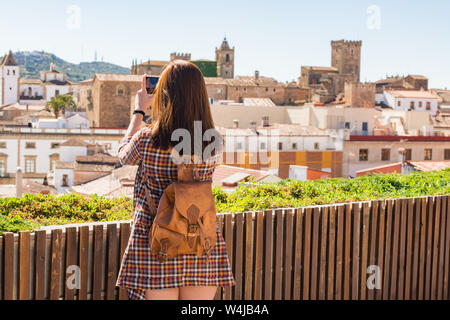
(60, 103)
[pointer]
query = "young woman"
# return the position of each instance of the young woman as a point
(180, 100)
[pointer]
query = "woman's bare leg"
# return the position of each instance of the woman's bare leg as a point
(162, 294)
(198, 293)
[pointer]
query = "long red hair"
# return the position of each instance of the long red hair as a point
(180, 99)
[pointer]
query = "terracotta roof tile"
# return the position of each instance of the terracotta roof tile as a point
(412, 94)
(9, 60)
(222, 172)
(430, 165)
(74, 142)
(118, 77)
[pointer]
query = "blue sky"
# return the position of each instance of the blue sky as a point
(274, 37)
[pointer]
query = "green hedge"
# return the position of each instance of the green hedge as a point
(31, 211)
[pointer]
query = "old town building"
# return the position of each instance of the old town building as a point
(327, 82)
(360, 95)
(107, 100)
(255, 87)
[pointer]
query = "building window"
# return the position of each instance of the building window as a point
(408, 154)
(2, 145)
(347, 125)
(53, 159)
(316, 146)
(420, 104)
(237, 88)
(412, 105)
(363, 154)
(399, 103)
(56, 92)
(7, 72)
(30, 165)
(54, 145)
(274, 90)
(428, 105)
(239, 146)
(262, 146)
(30, 145)
(428, 154)
(65, 180)
(120, 91)
(245, 89)
(294, 146)
(280, 146)
(365, 127)
(447, 154)
(227, 58)
(107, 146)
(385, 154)
(267, 89)
(14, 72)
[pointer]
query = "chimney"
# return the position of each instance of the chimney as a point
(236, 123)
(252, 124)
(265, 121)
(19, 187)
(256, 75)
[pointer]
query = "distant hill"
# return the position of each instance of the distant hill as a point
(33, 62)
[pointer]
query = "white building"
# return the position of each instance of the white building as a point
(280, 137)
(35, 150)
(75, 121)
(9, 80)
(14, 89)
(50, 84)
(404, 100)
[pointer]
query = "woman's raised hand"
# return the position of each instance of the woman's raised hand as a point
(143, 99)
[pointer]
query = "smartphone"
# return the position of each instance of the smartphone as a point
(151, 82)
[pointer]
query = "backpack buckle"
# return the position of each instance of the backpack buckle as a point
(193, 229)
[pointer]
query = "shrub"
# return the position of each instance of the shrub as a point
(32, 211)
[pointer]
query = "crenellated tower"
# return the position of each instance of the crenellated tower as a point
(180, 56)
(346, 57)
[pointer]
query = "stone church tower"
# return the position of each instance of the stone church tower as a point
(346, 57)
(9, 80)
(225, 60)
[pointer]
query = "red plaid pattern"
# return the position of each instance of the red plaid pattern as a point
(140, 268)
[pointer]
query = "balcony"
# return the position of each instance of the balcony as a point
(35, 98)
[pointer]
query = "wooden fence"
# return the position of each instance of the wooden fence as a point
(321, 252)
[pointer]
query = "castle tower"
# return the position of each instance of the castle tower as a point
(346, 57)
(180, 56)
(9, 80)
(225, 60)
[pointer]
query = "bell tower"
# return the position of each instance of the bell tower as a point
(9, 79)
(225, 60)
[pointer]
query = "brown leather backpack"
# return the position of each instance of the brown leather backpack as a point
(185, 221)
